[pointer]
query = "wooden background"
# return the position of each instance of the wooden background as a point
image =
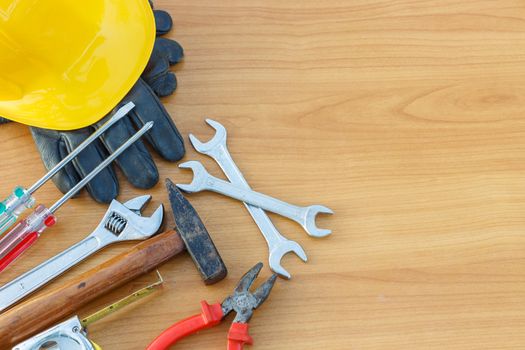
(407, 117)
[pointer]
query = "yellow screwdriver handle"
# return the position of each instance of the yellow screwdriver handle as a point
(96, 346)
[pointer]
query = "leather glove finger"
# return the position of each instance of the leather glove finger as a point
(164, 136)
(157, 73)
(135, 162)
(56, 145)
(163, 22)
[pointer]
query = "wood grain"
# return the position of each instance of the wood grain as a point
(35, 315)
(406, 117)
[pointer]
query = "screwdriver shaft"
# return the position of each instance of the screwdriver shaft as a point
(101, 166)
(123, 111)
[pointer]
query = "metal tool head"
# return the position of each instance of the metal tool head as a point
(309, 220)
(200, 175)
(242, 301)
(125, 221)
(196, 238)
(219, 139)
(284, 247)
(66, 335)
(138, 203)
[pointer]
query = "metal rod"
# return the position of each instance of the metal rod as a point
(122, 112)
(101, 166)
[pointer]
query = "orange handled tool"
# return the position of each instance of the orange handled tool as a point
(242, 301)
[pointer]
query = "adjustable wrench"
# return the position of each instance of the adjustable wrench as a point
(304, 216)
(122, 222)
(278, 245)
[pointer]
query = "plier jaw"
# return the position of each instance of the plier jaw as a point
(242, 301)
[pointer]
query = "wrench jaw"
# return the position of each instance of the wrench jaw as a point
(281, 250)
(309, 220)
(140, 228)
(200, 175)
(218, 140)
(138, 203)
(123, 222)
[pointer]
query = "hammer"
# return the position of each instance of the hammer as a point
(42, 312)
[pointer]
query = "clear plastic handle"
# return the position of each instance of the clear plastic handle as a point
(13, 206)
(24, 234)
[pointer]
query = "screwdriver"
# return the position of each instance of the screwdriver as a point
(27, 231)
(22, 199)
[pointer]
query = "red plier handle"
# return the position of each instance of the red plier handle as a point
(238, 336)
(210, 316)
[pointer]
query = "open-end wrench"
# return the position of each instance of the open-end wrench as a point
(278, 245)
(122, 222)
(304, 216)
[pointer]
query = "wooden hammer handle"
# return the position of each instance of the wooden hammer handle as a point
(37, 314)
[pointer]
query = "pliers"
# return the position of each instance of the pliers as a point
(242, 301)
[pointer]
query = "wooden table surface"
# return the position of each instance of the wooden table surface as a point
(407, 118)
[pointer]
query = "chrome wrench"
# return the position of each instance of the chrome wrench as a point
(122, 222)
(304, 216)
(278, 245)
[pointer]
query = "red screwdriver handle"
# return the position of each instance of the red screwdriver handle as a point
(238, 336)
(24, 234)
(210, 316)
(11, 256)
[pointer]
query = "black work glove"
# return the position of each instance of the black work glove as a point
(136, 162)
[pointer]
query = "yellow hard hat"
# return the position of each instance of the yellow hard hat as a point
(64, 64)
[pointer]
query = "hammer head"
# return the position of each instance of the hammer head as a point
(195, 236)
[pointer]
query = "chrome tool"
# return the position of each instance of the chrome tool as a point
(60, 301)
(122, 222)
(22, 199)
(305, 216)
(278, 245)
(27, 231)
